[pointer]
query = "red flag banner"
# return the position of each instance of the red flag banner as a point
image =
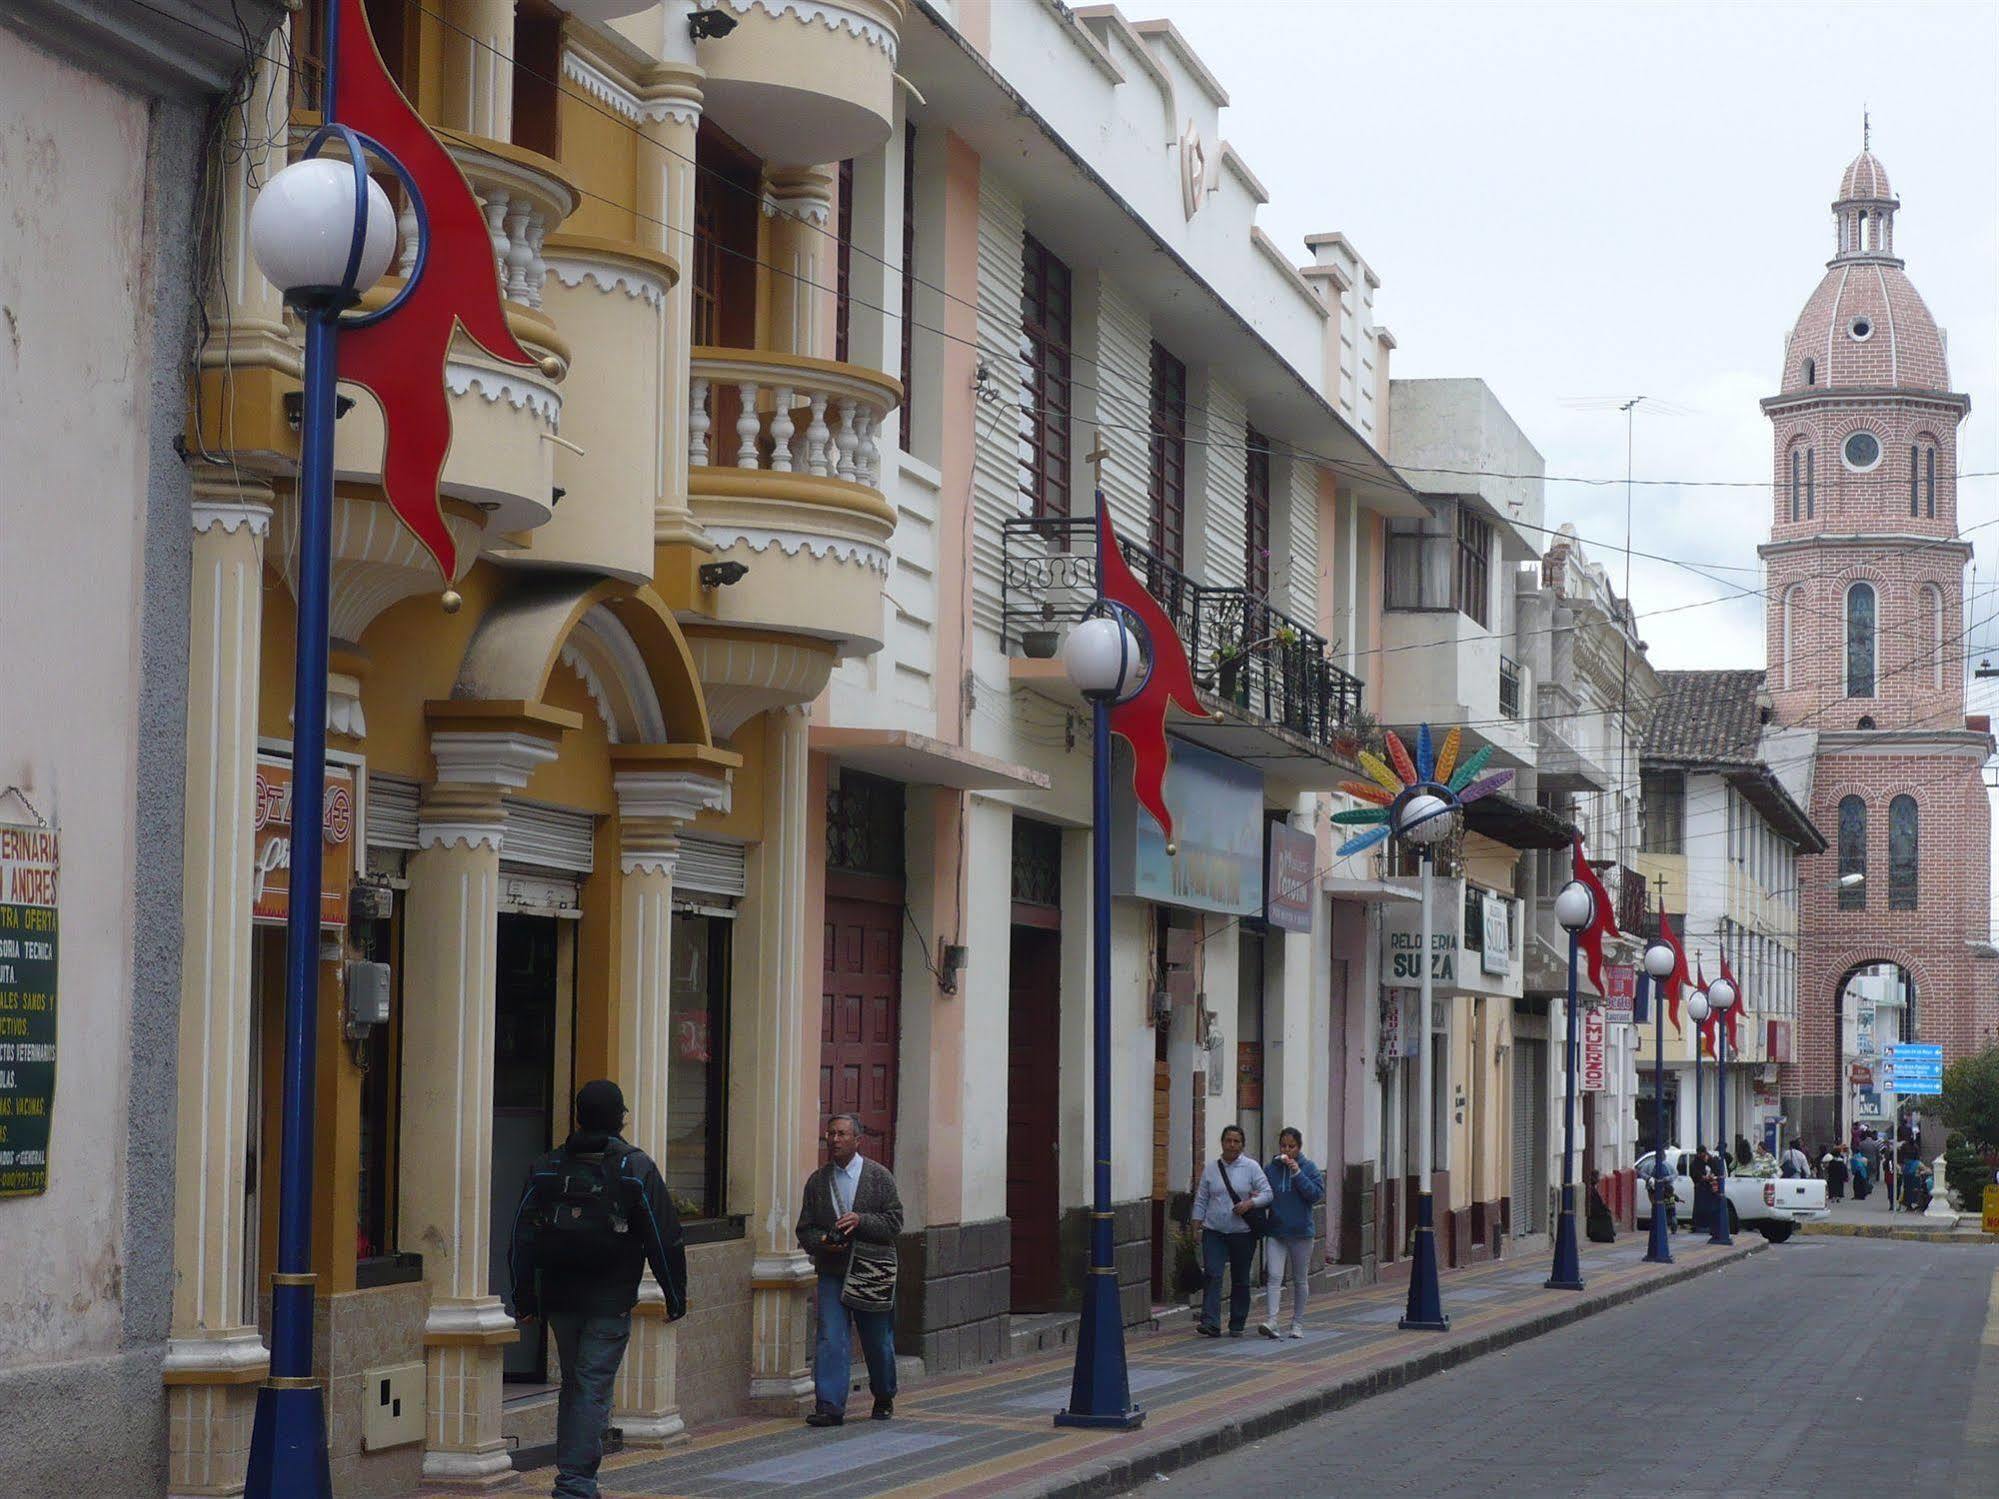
(1603, 923)
(1679, 978)
(1141, 719)
(400, 360)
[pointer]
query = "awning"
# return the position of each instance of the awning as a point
(918, 760)
(1517, 824)
(1366, 891)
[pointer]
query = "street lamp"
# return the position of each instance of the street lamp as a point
(1104, 659)
(322, 232)
(1575, 908)
(1722, 996)
(1698, 1010)
(1659, 965)
(1424, 819)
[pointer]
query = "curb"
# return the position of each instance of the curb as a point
(1908, 1235)
(1118, 1475)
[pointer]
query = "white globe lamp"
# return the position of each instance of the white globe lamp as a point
(1102, 658)
(1659, 961)
(1424, 818)
(302, 231)
(1722, 996)
(1575, 907)
(1698, 1008)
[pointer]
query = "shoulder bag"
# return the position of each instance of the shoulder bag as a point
(869, 1285)
(1257, 1220)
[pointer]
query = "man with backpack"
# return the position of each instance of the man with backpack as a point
(594, 1214)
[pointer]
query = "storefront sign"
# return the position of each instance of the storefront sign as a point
(1860, 1074)
(1398, 1022)
(271, 869)
(1594, 1066)
(1992, 1209)
(1218, 827)
(1620, 993)
(28, 865)
(1863, 1028)
(1290, 877)
(1402, 940)
(1777, 1041)
(1249, 1075)
(1496, 955)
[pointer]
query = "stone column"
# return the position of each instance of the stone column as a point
(445, 1189)
(800, 202)
(215, 1357)
(670, 120)
(478, 67)
(652, 806)
(785, 1076)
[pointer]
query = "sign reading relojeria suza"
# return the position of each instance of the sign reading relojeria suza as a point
(28, 866)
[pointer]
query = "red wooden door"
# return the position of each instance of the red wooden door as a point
(1033, 1107)
(860, 1025)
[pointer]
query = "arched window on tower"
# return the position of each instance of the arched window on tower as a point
(1860, 640)
(1853, 853)
(1902, 854)
(1811, 372)
(1810, 496)
(1932, 625)
(1923, 476)
(1787, 624)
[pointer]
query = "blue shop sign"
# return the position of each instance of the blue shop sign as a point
(1218, 826)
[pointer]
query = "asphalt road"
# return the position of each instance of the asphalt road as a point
(1822, 1367)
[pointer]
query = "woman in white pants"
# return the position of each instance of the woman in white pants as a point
(1296, 1186)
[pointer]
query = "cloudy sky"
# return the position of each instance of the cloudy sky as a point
(1584, 203)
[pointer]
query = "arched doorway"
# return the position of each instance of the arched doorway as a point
(1875, 1006)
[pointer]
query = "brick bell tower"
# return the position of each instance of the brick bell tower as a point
(1865, 621)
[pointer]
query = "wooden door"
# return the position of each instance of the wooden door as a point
(1033, 1107)
(860, 1025)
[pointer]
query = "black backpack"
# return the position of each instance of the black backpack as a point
(583, 1211)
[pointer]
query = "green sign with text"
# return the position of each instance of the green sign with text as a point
(28, 866)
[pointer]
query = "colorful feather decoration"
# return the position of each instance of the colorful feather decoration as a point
(1362, 815)
(1376, 767)
(1398, 756)
(1485, 786)
(1367, 791)
(1426, 753)
(1470, 769)
(1362, 841)
(1447, 757)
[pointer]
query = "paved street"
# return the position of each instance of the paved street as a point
(1775, 1394)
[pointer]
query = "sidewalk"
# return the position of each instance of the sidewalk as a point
(989, 1433)
(1872, 1220)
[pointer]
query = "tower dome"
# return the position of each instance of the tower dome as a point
(1865, 326)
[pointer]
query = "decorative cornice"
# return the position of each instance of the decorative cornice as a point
(593, 684)
(791, 543)
(231, 516)
(681, 106)
(458, 1318)
(479, 758)
(469, 835)
(606, 278)
(650, 861)
(832, 17)
(234, 1352)
(519, 393)
(668, 795)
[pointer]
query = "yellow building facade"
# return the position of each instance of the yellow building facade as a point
(666, 546)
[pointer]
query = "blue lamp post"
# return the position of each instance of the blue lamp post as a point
(322, 233)
(1575, 908)
(1698, 1010)
(1721, 996)
(1424, 819)
(1103, 656)
(1659, 963)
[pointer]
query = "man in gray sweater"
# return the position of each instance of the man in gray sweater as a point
(848, 1224)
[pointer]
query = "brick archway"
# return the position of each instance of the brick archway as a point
(1846, 964)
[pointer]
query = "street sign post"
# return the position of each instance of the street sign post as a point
(1913, 1067)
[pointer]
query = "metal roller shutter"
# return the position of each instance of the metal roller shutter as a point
(1530, 1147)
(709, 866)
(541, 837)
(391, 812)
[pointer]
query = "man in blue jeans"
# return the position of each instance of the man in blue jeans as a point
(848, 1225)
(594, 1214)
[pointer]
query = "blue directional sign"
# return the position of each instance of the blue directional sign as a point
(1913, 1067)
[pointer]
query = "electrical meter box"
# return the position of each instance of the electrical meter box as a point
(392, 1406)
(367, 995)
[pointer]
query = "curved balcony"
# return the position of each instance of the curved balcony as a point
(784, 473)
(802, 82)
(504, 419)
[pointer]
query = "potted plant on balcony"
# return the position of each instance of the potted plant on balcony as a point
(1042, 644)
(1229, 661)
(1362, 731)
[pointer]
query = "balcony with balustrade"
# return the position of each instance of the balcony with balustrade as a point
(784, 466)
(1281, 703)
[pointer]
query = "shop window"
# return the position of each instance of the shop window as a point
(1045, 308)
(697, 1103)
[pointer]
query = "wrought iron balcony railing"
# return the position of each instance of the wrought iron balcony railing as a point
(1631, 900)
(1242, 648)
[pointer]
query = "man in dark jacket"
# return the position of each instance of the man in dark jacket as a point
(594, 1214)
(848, 1225)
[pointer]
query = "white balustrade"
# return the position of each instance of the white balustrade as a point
(789, 418)
(521, 209)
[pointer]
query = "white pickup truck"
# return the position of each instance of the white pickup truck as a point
(1772, 1205)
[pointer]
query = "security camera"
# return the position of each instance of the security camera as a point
(722, 574)
(713, 22)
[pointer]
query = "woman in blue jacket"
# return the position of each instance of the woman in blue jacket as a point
(1296, 1185)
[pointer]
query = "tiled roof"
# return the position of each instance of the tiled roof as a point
(1705, 717)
